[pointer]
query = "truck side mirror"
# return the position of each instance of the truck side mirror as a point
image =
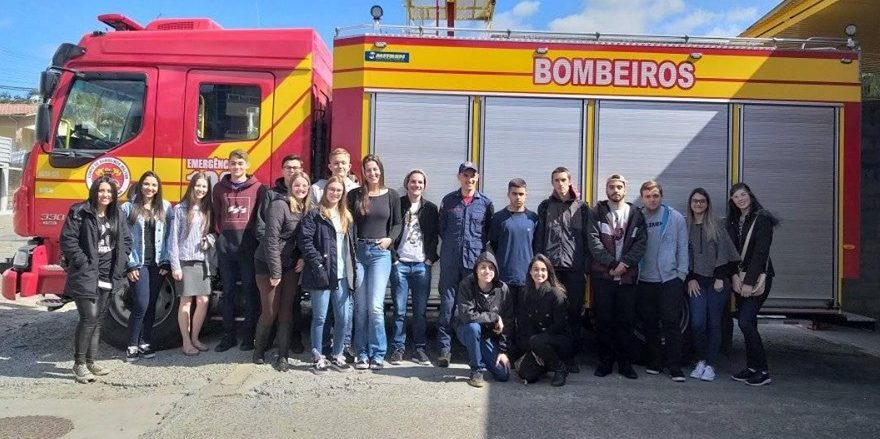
(43, 123)
(48, 82)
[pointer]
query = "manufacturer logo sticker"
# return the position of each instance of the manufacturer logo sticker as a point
(372, 55)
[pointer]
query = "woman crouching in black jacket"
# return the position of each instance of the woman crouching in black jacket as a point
(542, 325)
(95, 243)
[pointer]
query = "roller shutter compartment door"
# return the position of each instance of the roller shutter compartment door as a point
(429, 132)
(681, 145)
(527, 138)
(789, 163)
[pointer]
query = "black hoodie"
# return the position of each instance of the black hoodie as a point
(277, 192)
(475, 306)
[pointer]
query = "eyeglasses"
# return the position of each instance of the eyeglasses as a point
(696, 201)
(292, 168)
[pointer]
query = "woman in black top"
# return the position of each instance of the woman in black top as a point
(542, 332)
(750, 226)
(95, 242)
(376, 211)
(278, 264)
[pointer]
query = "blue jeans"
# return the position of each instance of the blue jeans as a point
(482, 353)
(406, 277)
(369, 302)
(239, 267)
(706, 312)
(340, 298)
(451, 275)
(144, 294)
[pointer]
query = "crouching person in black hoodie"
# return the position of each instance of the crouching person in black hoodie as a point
(542, 325)
(484, 321)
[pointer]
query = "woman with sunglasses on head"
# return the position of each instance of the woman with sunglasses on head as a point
(95, 242)
(712, 257)
(750, 227)
(277, 265)
(189, 244)
(146, 214)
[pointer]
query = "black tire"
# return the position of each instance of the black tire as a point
(114, 329)
(684, 320)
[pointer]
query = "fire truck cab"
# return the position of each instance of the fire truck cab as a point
(174, 96)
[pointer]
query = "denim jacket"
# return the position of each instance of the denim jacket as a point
(464, 229)
(136, 257)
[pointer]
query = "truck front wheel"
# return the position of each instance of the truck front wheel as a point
(114, 330)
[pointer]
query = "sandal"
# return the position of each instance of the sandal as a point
(200, 346)
(190, 353)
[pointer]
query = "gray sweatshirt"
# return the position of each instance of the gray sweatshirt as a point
(666, 255)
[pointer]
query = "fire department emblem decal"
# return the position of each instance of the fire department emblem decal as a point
(111, 167)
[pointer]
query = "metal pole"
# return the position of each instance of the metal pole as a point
(450, 17)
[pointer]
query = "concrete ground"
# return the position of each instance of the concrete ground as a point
(825, 384)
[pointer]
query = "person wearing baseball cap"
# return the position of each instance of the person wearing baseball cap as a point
(465, 216)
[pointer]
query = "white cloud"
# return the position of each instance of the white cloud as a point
(675, 17)
(526, 8)
(516, 18)
(618, 16)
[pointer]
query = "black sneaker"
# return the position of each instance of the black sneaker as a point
(146, 351)
(443, 359)
(653, 369)
(377, 365)
(297, 345)
(477, 379)
(225, 345)
(396, 357)
(246, 345)
(132, 354)
(759, 379)
(362, 364)
(743, 375)
(572, 366)
(626, 369)
(677, 375)
(603, 369)
(559, 377)
(421, 357)
(348, 353)
(340, 365)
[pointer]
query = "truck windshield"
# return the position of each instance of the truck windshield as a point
(101, 113)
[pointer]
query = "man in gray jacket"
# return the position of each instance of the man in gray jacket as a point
(661, 280)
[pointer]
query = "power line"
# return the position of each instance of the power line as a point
(12, 87)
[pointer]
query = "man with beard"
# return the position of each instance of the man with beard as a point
(617, 241)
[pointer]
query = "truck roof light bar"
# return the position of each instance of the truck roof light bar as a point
(814, 43)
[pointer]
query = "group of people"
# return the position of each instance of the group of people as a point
(512, 282)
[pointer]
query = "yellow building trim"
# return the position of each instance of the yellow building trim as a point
(784, 16)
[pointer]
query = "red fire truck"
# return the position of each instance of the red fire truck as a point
(174, 96)
(177, 95)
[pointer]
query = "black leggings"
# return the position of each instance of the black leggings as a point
(88, 330)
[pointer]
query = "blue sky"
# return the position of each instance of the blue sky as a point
(30, 31)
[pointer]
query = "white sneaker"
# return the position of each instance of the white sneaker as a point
(698, 371)
(708, 374)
